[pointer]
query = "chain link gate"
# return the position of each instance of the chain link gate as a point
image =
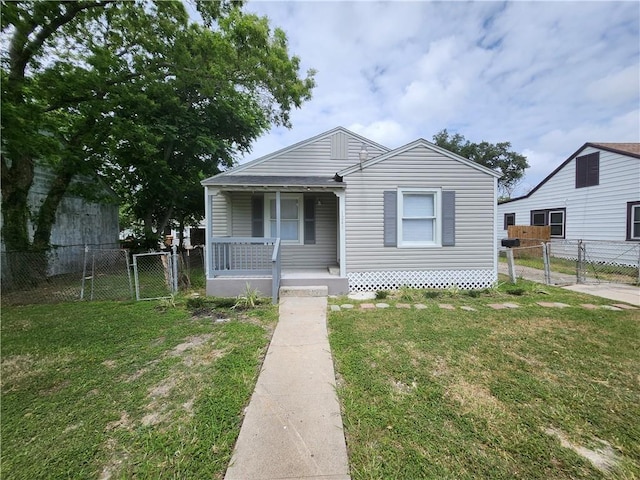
(155, 275)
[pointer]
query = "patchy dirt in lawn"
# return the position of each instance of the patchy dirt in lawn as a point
(116, 458)
(476, 399)
(603, 458)
(191, 342)
(123, 422)
(110, 363)
(17, 369)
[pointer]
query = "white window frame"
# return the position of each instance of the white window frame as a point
(437, 210)
(563, 224)
(267, 216)
(631, 221)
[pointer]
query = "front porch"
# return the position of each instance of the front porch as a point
(229, 286)
(275, 231)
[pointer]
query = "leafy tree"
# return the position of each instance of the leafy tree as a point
(133, 92)
(498, 156)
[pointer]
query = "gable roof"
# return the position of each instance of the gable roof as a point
(626, 149)
(295, 146)
(419, 143)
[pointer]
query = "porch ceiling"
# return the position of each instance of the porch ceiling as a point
(271, 182)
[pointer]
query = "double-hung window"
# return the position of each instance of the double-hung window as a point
(555, 219)
(418, 218)
(633, 221)
(556, 223)
(291, 215)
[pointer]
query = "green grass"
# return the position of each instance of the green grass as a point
(438, 394)
(126, 390)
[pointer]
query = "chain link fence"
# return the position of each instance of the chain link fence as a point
(563, 262)
(93, 272)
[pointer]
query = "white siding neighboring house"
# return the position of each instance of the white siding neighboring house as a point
(593, 195)
(374, 218)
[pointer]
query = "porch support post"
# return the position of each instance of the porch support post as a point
(278, 214)
(342, 232)
(208, 232)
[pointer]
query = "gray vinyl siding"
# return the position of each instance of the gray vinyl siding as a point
(320, 255)
(598, 212)
(220, 211)
(326, 156)
(422, 168)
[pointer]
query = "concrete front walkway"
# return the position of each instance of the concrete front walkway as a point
(293, 428)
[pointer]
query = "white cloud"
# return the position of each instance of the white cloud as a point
(386, 132)
(546, 76)
(616, 87)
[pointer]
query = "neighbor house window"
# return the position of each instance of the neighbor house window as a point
(539, 218)
(509, 219)
(556, 223)
(291, 224)
(633, 221)
(418, 219)
(554, 218)
(588, 170)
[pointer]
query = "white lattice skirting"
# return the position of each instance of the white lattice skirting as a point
(392, 280)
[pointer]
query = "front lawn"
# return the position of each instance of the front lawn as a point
(126, 390)
(526, 392)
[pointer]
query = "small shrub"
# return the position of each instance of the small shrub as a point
(516, 291)
(382, 294)
(249, 299)
(407, 294)
(165, 304)
(453, 290)
(196, 302)
(432, 293)
(473, 293)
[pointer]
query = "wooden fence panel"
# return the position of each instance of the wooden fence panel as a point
(530, 236)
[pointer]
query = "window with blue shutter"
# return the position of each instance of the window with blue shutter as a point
(309, 220)
(390, 220)
(418, 217)
(257, 216)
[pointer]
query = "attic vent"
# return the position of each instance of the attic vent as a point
(339, 146)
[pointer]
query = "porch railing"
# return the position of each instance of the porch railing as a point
(275, 271)
(247, 256)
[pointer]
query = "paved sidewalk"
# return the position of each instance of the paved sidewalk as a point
(293, 428)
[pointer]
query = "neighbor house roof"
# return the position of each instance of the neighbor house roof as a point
(280, 181)
(627, 149)
(623, 148)
(417, 143)
(308, 141)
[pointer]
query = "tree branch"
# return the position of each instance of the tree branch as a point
(21, 54)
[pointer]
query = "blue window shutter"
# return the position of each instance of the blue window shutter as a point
(257, 216)
(448, 218)
(390, 218)
(309, 220)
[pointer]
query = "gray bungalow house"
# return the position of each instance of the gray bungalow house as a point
(343, 211)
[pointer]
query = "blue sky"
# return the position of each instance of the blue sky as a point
(546, 76)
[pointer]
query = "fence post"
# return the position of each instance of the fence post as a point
(638, 264)
(545, 260)
(512, 265)
(128, 260)
(174, 268)
(580, 262)
(84, 270)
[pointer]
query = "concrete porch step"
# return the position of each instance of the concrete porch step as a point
(304, 291)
